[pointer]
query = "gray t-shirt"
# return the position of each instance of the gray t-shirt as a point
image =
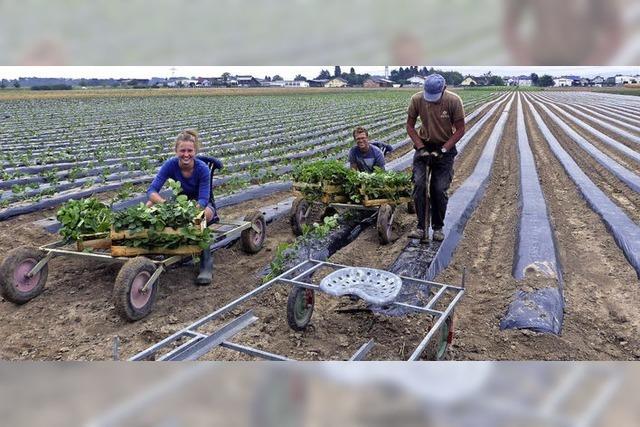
(365, 162)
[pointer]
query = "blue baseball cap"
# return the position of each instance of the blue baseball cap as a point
(433, 85)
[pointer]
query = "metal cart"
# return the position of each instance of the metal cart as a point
(24, 270)
(334, 202)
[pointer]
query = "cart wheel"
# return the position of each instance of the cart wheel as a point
(300, 308)
(299, 215)
(384, 223)
(251, 241)
(411, 207)
(439, 344)
(130, 302)
(15, 286)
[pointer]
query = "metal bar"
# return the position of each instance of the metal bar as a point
(116, 348)
(300, 284)
(254, 352)
(203, 346)
(352, 206)
(172, 260)
(307, 272)
(429, 283)
(40, 265)
(435, 298)
(56, 244)
(81, 254)
(362, 351)
(418, 308)
(410, 279)
(418, 351)
(183, 347)
(153, 278)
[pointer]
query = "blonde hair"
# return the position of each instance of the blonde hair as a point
(188, 135)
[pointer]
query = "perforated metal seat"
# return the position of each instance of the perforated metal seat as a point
(374, 286)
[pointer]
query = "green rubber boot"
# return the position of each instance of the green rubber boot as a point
(206, 268)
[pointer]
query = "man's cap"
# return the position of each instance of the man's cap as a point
(433, 85)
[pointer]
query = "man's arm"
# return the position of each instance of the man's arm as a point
(411, 131)
(459, 125)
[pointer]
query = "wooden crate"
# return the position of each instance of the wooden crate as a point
(378, 202)
(127, 251)
(330, 193)
(118, 249)
(93, 241)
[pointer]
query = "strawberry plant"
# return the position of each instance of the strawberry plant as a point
(85, 216)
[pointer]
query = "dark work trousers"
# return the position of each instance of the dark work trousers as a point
(441, 176)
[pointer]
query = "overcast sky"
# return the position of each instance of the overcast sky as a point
(286, 72)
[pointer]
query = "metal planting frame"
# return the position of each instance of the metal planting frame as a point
(197, 343)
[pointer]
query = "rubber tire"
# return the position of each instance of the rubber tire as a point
(299, 206)
(10, 262)
(248, 241)
(383, 224)
(295, 322)
(437, 348)
(411, 207)
(122, 289)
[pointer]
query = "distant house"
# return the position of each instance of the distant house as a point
(276, 83)
(296, 83)
(247, 81)
(469, 81)
(598, 81)
(416, 81)
(336, 82)
(376, 81)
(523, 81)
(563, 82)
(626, 79)
(584, 81)
(317, 82)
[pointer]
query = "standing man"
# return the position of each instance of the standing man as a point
(442, 116)
(364, 156)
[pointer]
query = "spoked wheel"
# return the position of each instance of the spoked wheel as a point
(131, 300)
(300, 308)
(252, 238)
(385, 223)
(300, 210)
(439, 344)
(15, 284)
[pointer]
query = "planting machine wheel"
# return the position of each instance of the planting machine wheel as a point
(439, 344)
(131, 300)
(300, 210)
(15, 284)
(385, 223)
(300, 307)
(252, 239)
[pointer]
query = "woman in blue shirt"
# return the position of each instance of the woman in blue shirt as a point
(195, 178)
(192, 173)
